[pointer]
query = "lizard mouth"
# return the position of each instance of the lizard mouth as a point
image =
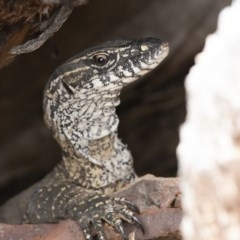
(164, 50)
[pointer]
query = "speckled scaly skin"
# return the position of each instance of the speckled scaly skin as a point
(79, 108)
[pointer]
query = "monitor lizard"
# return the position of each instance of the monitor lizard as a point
(79, 106)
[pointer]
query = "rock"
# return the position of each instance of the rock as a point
(157, 199)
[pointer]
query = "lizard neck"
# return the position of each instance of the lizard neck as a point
(105, 164)
(99, 118)
(93, 155)
(86, 116)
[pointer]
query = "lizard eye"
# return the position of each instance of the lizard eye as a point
(100, 59)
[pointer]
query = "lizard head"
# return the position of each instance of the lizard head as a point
(87, 86)
(112, 65)
(109, 66)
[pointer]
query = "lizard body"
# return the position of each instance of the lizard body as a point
(79, 108)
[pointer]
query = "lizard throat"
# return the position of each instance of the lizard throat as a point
(93, 118)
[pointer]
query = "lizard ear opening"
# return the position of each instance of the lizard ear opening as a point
(67, 88)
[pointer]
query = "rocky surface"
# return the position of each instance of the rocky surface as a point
(157, 198)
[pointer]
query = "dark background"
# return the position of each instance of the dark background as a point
(151, 109)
